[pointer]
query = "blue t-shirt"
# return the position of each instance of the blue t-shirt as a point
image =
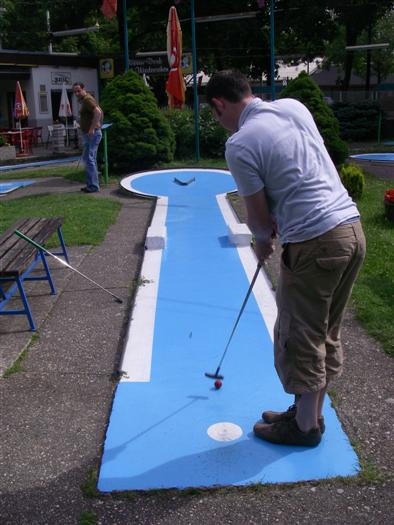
(279, 148)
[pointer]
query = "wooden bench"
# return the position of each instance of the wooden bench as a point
(18, 258)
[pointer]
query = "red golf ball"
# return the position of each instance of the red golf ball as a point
(218, 384)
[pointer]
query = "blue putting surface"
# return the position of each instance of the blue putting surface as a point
(176, 430)
(379, 157)
(7, 187)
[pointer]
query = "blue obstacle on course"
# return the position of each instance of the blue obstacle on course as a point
(7, 187)
(378, 157)
(24, 165)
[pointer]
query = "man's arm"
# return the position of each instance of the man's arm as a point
(261, 224)
(95, 120)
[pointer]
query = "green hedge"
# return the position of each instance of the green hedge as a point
(140, 135)
(212, 136)
(357, 121)
(304, 89)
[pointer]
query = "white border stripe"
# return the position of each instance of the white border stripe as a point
(262, 289)
(137, 356)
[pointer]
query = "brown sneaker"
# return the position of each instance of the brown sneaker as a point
(274, 417)
(287, 433)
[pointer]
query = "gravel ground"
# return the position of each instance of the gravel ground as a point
(54, 415)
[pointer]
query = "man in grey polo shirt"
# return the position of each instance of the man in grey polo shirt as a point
(291, 188)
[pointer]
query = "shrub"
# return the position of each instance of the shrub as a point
(212, 136)
(304, 89)
(357, 121)
(140, 135)
(2, 141)
(182, 125)
(352, 177)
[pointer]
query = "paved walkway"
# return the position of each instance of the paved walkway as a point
(54, 413)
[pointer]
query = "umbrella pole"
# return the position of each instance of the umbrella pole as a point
(21, 135)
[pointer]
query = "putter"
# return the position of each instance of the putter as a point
(216, 375)
(34, 243)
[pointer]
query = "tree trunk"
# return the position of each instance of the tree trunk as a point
(351, 40)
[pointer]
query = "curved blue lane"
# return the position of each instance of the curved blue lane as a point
(157, 435)
(379, 157)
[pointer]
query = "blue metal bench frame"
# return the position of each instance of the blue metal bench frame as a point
(19, 279)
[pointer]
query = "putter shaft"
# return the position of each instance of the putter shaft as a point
(216, 375)
(64, 263)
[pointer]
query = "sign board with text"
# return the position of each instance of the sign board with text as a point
(59, 78)
(107, 68)
(150, 64)
(158, 64)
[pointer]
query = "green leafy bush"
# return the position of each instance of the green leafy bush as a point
(304, 89)
(140, 134)
(357, 121)
(2, 141)
(182, 125)
(352, 177)
(212, 136)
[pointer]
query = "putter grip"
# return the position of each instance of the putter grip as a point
(25, 238)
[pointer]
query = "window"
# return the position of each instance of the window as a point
(43, 99)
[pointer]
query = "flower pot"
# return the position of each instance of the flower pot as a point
(389, 204)
(7, 153)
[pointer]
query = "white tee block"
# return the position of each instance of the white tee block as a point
(239, 234)
(156, 237)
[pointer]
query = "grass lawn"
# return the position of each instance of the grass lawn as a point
(373, 294)
(86, 219)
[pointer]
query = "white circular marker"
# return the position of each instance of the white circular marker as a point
(224, 431)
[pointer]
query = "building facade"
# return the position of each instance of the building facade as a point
(41, 76)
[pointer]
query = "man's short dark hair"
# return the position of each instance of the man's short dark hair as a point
(82, 86)
(230, 84)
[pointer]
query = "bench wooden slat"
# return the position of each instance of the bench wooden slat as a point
(15, 253)
(8, 239)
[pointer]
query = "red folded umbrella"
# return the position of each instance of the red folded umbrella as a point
(109, 8)
(175, 85)
(21, 110)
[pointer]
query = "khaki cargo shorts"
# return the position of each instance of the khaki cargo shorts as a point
(315, 284)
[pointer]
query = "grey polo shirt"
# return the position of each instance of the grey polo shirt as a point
(279, 148)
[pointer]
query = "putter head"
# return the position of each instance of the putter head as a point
(214, 376)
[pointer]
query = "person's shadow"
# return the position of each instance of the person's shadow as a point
(227, 464)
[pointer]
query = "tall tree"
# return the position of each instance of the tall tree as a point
(356, 16)
(304, 29)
